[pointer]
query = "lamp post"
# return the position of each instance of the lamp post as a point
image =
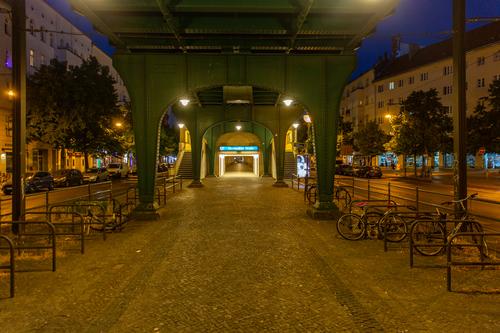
(459, 100)
(19, 110)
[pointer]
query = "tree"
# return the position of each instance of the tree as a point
(344, 136)
(484, 125)
(169, 141)
(96, 103)
(422, 126)
(77, 108)
(50, 117)
(370, 140)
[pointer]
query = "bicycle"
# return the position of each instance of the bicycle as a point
(341, 196)
(352, 226)
(430, 236)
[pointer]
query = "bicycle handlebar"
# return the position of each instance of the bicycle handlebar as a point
(470, 196)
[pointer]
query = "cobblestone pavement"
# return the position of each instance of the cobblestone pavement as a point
(240, 255)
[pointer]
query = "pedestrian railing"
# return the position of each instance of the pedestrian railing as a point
(162, 188)
(9, 266)
(41, 202)
(484, 260)
(32, 235)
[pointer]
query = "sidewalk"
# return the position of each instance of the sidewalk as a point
(241, 255)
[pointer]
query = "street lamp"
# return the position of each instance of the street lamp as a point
(295, 125)
(184, 101)
(388, 116)
(181, 125)
(238, 127)
(11, 93)
(288, 101)
(307, 118)
(118, 124)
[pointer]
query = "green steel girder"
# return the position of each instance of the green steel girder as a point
(156, 82)
(185, 25)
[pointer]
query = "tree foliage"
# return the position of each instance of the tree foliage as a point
(422, 126)
(75, 107)
(484, 125)
(370, 140)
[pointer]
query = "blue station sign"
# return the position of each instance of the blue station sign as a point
(239, 148)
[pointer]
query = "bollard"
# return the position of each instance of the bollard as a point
(389, 191)
(368, 188)
(416, 198)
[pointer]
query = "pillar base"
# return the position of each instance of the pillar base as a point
(280, 183)
(324, 211)
(196, 184)
(146, 211)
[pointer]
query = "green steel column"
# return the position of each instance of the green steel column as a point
(196, 145)
(337, 71)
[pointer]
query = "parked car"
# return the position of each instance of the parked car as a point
(340, 169)
(33, 182)
(348, 170)
(118, 170)
(94, 175)
(368, 172)
(68, 177)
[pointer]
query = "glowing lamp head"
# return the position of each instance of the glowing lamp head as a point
(238, 127)
(288, 101)
(11, 93)
(295, 125)
(118, 124)
(181, 125)
(184, 101)
(307, 118)
(388, 116)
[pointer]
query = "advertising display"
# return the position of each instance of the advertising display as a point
(302, 166)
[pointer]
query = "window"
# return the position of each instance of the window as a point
(401, 83)
(380, 88)
(480, 61)
(480, 83)
(411, 80)
(42, 34)
(32, 58)
(392, 85)
(447, 90)
(6, 27)
(8, 126)
(51, 39)
(447, 70)
(496, 77)
(390, 102)
(32, 28)
(448, 109)
(380, 104)
(42, 59)
(424, 76)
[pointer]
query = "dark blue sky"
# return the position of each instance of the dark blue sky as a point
(418, 21)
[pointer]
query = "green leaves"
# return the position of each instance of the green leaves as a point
(370, 139)
(484, 125)
(75, 107)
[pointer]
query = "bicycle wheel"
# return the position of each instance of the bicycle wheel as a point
(395, 226)
(341, 198)
(351, 227)
(311, 194)
(428, 237)
(372, 219)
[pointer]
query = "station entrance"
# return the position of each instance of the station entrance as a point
(239, 165)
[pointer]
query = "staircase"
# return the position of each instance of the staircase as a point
(186, 167)
(290, 165)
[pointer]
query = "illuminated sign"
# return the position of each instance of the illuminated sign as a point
(239, 148)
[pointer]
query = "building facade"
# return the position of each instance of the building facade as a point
(48, 36)
(377, 94)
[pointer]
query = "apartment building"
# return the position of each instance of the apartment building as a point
(49, 36)
(377, 94)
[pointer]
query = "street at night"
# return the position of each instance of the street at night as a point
(250, 166)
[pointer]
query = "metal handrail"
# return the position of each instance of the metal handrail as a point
(482, 263)
(11, 265)
(51, 234)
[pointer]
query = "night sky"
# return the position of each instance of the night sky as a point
(418, 21)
